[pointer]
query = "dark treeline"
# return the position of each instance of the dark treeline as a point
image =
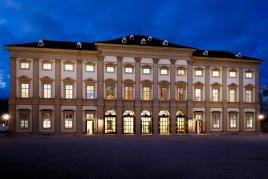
(3, 106)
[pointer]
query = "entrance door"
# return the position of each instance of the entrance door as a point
(199, 127)
(164, 125)
(90, 127)
(180, 125)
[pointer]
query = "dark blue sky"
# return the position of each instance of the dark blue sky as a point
(238, 26)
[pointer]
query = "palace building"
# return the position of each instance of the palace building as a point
(135, 85)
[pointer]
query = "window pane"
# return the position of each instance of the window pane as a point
(128, 93)
(232, 74)
(163, 71)
(90, 92)
(249, 120)
(69, 67)
(68, 91)
(46, 117)
(25, 90)
(249, 96)
(128, 125)
(146, 125)
(47, 66)
(233, 119)
(47, 91)
(215, 73)
(146, 93)
(109, 92)
(215, 120)
(198, 72)
(128, 69)
(68, 120)
(180, 95)
(164, 93)
(198, 93)
(215, 95)
(146, 70)
(181, 72)
(110, 69)
(232, 95)
(249, 75)
(164, 125)
(24, 65)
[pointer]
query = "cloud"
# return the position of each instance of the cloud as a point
(3, 83)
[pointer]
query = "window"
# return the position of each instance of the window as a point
(128, 92)
(47, 90)
(69, 67)
(198, 94)
(128, 122)
(249, 120)
(90, 68)
(128, 70)
(68, 120)
(46, 120)
(232, 74)
(109, 92)
(25, 90)
(146, 70)
(163, 71)
(249, 74)
(110, 122)
(90, 92)
(24, 65)
(146, 93)
(181, 72)
(215, 73)
(24, 116)
(180, 94)
(164, 93)
(232, 95)
(164, 122)
(198, 72)
(233, 120)
(215, 95)
(248, 97)
(146, 122)
(110, 69)
(216, 120)
(68, 91)
(180, 122)
(47, 66)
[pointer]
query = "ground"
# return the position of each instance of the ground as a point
(235, 156)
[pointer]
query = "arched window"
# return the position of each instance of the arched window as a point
(164, 122)
(146, 122)
(128, 122)
(180, 122)
(110, 122)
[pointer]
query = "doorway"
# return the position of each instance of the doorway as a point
(199, 127)
(89, 127)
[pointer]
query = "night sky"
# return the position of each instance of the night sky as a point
(237, 26)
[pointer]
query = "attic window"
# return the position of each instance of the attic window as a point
(238, 55)
(205, 53)
(131, 37)
(124, 40)
(40, 43)
(79, 45)
(165, 43)
(150, 38)
(143, 41)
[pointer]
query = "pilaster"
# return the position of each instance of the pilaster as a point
(241, 100)
(57, 114)
(35, 105)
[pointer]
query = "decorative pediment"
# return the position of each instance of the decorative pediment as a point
(198, 84)
(232, 85)
(164, 83)
(46, 79)
(24, 78)
(68, 80)
(129, 82)
(147, 83)
(249, 86)
(90, 81)
(181, 84)
(216, 85)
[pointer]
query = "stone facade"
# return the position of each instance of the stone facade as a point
(167, 110)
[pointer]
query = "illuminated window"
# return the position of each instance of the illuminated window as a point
(163, 93)
(181, 72)
(181, 94)
(128, 122)
(90, 68)
(216, 120)
(110, 69)
(68, 91)
(163, 71)
(24, 117)
(46, 120)
(68, 120)
(248, 96)
(232, 95)
(109, 92)
(163, 122)
(128, 70)
(25, 90)
(146, 91)
(110, 122)
(47, 66)
(180, 122)
(215, 95)
(90, 92)
(128, 93)
(24, 65)
(233, 120)
(68, 67)
(146, 70)
(146, 122)
(249, 74)
(198, 94)
(198, 72)
(232, 74)
(47, 90)
(249, 120)
(215, 73)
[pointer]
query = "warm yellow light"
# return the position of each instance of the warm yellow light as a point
(261, 116)
(6, 117)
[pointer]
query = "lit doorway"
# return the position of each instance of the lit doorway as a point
(89, 127)
(89, 123)
(164, 122)
(110, 122)
(180, 122)
(128, 122)
(146, 122)
(199, 127)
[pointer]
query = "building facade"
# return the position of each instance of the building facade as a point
(132, 85)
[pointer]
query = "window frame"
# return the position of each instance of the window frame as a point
(68, 63)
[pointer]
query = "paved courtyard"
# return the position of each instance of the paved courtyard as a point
(237, 156)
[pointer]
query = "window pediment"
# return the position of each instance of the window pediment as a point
(24, 78)
(68, 80)
(249, 86)
(147, 83)
(216, 85)
(46, 79)
(181, 84)
(90, 81)
(164, 84)
(198, 84)
(129, 82)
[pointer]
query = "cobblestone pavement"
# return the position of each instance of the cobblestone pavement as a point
(236, 156)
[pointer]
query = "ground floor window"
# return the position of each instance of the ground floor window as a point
(68, 119)
(110, 122)
(164, 122)
(46, 119)
(24, 118)
(128, 122)
(146, 122)
(199, 122)
(233, 120)
(180, 122)
(249, 120)
(216, 120)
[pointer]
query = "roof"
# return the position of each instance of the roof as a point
(221, 54)
(140, 40)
